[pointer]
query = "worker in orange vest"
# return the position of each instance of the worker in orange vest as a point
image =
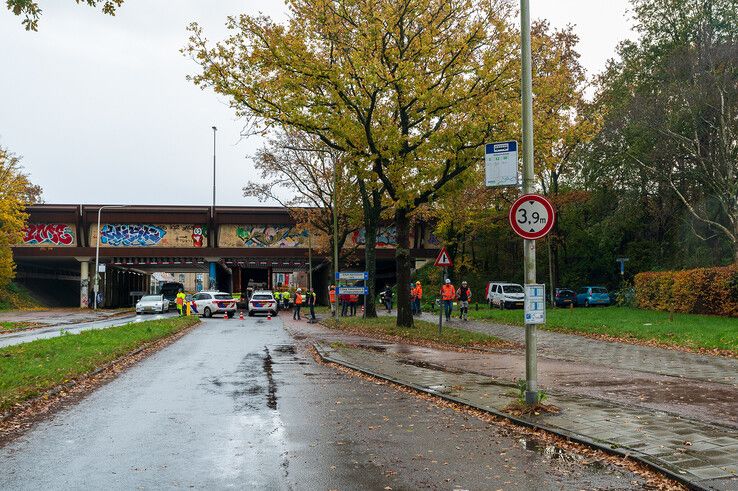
(448, 293)
(298, 304)
(418, 290)
(332, 298)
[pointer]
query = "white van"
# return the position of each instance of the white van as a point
(505, 295)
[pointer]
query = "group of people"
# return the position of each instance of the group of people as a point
(309, 298)
(449, 294)
(348, 302)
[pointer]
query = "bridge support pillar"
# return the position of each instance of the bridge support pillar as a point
(84, 284)
(213, 276)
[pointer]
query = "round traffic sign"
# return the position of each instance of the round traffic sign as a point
(532, 216)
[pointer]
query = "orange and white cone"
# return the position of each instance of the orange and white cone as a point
(269, 316)
(240, 317)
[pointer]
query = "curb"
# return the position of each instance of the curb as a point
(575, 437)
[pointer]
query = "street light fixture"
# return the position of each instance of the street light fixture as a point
(97, 251)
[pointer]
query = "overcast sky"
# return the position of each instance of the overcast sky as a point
(100, 110)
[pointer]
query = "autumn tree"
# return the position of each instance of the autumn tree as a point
(16, 192)
(411, 88)
(31, 11)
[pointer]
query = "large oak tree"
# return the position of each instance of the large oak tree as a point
(410, 88)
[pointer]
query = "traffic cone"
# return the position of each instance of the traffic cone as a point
(269, 316)
(240, 317)
(225, 316)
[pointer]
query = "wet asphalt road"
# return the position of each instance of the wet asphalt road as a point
(55, 330)
(240, 404)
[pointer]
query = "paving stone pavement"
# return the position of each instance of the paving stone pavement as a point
(648, 359)
(706, 455)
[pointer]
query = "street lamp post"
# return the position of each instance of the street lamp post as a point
(97, 252)
(215, 129)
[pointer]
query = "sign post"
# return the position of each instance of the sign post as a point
(532, 217)
(442, 261)
(362, 276)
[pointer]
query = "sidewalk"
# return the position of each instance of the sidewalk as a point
(704, 455)
(62, 317)
(570, 347)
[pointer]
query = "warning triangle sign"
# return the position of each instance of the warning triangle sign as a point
(443, 260)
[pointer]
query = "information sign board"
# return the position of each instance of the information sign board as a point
(352, 275)
(501, 164)
(535, 304)
(353, 290)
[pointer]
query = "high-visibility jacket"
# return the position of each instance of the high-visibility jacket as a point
(463, 294)
(285, 295)
(332, 295)
(448, 292)
(298, 299)
(181, 299)
(277, 296)
(419, 292)
(310, 298)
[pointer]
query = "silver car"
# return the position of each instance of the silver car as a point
(152, 303)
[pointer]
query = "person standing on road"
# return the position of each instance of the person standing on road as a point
(344, 298)
(387, 298)
(332, 299)
(447, 295)
(463, 295)
(412, 298)
(180, 302)
(286, 299)
(418, 297)
(278, 300)
(298, 304)
(311, 303)
(353, 300)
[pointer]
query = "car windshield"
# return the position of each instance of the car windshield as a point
(599, 290)
(151, 298)
(223, 296)
(261, 297)
(512, 289)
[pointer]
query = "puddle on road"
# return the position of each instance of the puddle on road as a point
(285, 348)
(428, 366)
(271, 384)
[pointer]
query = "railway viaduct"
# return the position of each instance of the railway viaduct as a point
(236, 246)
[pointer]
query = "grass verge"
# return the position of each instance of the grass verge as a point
(697, 332)
(7, 326)
(422, 332)
(14, 296)
(29, 369)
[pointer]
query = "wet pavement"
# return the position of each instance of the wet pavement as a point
(647, 359)
(74, 328)
(241, 404)
(62, 316)
(705, 454)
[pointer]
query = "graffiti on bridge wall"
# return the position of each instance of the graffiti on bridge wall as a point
(150, 235)
(258, 236)
(53, 234)
(386, 237)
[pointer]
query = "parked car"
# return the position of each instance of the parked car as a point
(593, 295)
(262, 301)
(564, 297)
(505, 295)
(153, 304)
(210, 303)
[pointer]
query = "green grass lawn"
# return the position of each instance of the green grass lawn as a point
(29, 369)
(686, 330)
(12, 325)
(15, 296)
(423, 331)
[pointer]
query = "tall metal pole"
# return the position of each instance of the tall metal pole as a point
(214, 131)
(335, 233)
(529, 246)
(310, 259)
(96, 288)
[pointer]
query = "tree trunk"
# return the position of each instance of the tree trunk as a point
(402, 255)
(370, 258)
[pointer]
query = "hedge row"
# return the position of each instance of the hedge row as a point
(693, 291)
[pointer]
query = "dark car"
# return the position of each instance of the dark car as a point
(564, 297)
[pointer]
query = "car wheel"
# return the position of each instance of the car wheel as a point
(207, 313)
(502, 305)
(231, 315)
(586, 303)
(251, 313)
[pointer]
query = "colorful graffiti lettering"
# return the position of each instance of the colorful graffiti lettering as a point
(131, 235)
(386, 236)
(271, 236)
(59, 234)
